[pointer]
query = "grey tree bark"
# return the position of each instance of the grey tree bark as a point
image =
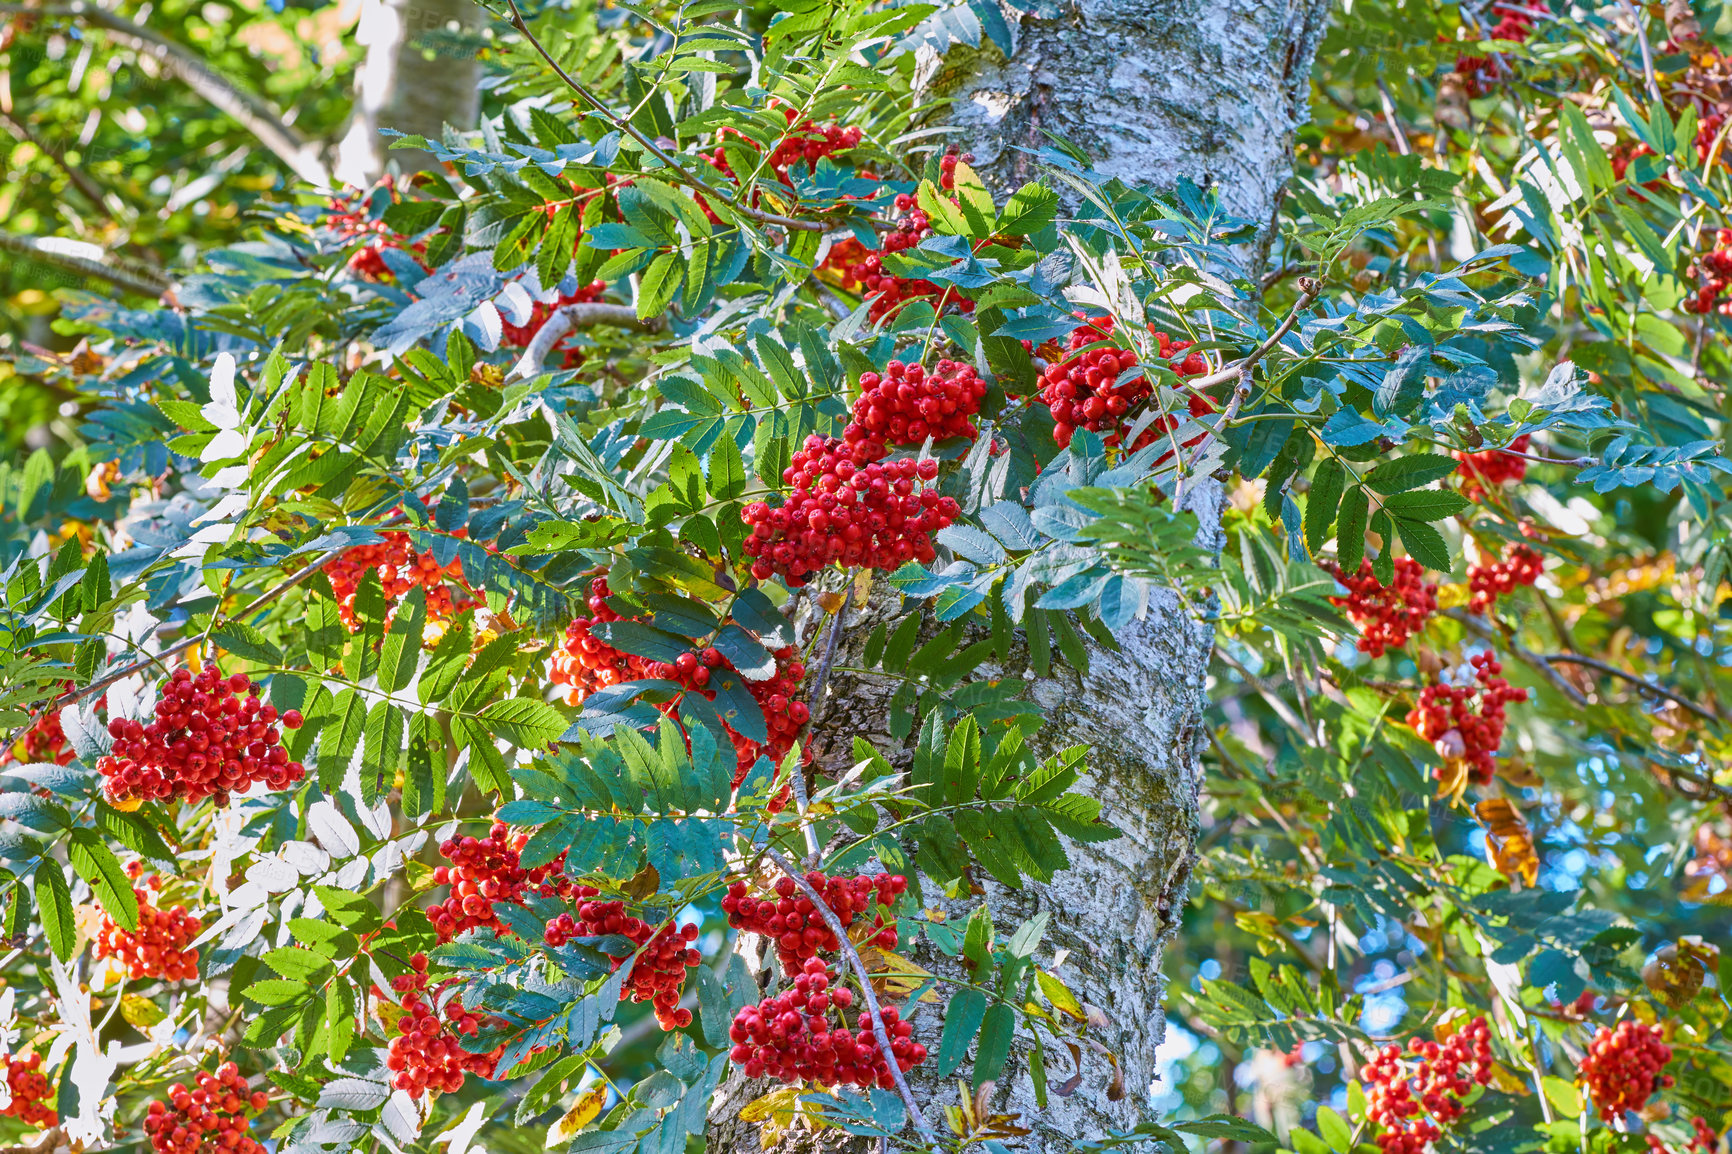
(417, 78)
(1151, 89)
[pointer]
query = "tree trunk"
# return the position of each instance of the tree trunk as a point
(416, 79)
(1151, 89)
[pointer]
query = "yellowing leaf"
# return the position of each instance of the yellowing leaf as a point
(1509, 844)
(1059, 995)
(140, 1011)
(584, 1111)
(779, 1102)
(895, 974)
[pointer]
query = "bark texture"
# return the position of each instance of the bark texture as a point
(417, 78)
(1151, 89)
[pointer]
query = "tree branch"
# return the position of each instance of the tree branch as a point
(53, 251)
(1655, 688)
(1528, 657)
(560, 323)
(1309, 290)
(251, 111)
(859, 968)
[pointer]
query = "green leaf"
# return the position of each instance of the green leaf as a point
(1425, 544)
(245, 641)
(1324, 499)
(1032, 207)
(1350, 531)
(54, 900)
(96, 864)
(1426, 505)
(657, 287)
(962, 1018)
(525, 722)
(1400, 474)
(1335, 1130)
(295, 962)
(996, 1031)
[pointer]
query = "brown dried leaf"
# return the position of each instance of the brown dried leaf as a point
(645, 883)
(1676, 971)
(1509, 843)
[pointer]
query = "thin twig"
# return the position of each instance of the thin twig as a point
(560, 323)
(1652, 687)
(1647, 53)
(818, 701)
(141, 281)
(44, 1142)
(251, 111)
(853, 958)
(675, 170)
(1480, 628)
(1309, 289)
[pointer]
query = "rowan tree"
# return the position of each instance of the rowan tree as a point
(852, 577)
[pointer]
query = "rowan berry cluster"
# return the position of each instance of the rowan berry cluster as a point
(400, 567)
(859, 269)
(904, 404)
(1622, 1068)
(1447, 716)
(1387, 615)
(427, 1055)
(1413, 1094)
(43, 741)
(661, 961)
(1491, 468)
(1084, 390)
(1713, 270)
(161, 946)
(585, 663)
(485, 871)
(1486, 583)
(213, 1115)
(847, 507)
(349, 220)
(29, 1089)
(807, 141)
(1480, 74)
(793, 921)
(791, 1036)
(518, 336)
(211, 737)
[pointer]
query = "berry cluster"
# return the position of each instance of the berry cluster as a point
(1446, 716)
(211, 737)
(859, 269)
(1491, 468)
(43, 741)
(427, 1055)
(794, 922)
(1622, 1068)
(662, 959)
(518, 336)
(400, 567)
(1713, 271)
(791, 1036)
(847, 507)
(1084, 390)
(1387, 615)
(904, 405)
(349, 220)
(487, 870)
(1413, 1095)
(211, 1116)
(29, 1088)
(586, 663)
(161, 947)
(1486, 583)
(807, 142)
(1480, 74)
